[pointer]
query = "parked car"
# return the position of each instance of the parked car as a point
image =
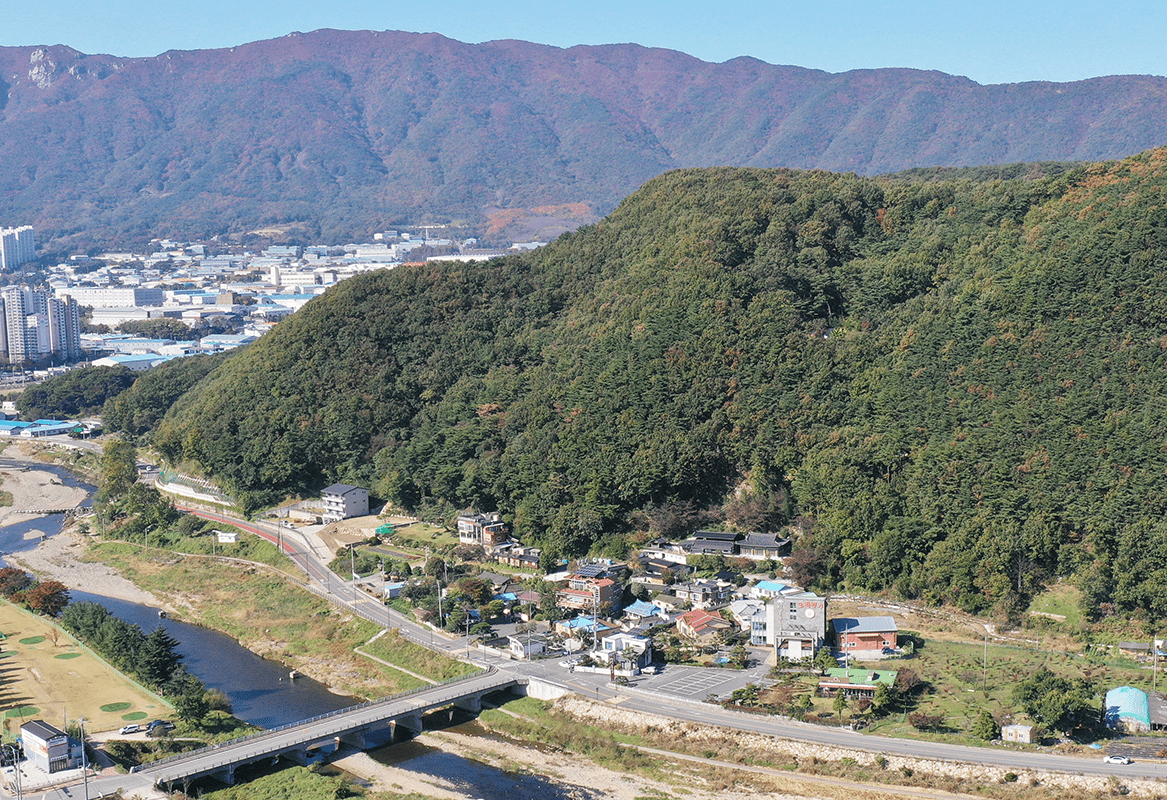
(164, 724)
(132, 728)
(1117, 760)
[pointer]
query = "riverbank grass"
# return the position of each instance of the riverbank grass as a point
(268, 615)
(396, 649)
(38, 681)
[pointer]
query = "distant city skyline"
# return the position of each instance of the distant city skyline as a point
(989, 42)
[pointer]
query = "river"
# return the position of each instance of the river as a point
(261, 692)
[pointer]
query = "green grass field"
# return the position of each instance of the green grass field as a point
(1062, 603)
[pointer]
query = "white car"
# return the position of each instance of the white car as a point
(1117, 760)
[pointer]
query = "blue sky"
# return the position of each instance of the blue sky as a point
(991, 41)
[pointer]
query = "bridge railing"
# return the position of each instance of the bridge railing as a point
(310, 720)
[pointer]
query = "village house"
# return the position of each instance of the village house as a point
(641, 611)
(865, 637)
(702, 626)
(487, 530)
(599, 595)
(664, 550)
(620, 646)
(528, 646)
(763, 546)
(514, 554)
(768, 589)
(581, 629)
(711, 543)
(703, 593)
(657, 573)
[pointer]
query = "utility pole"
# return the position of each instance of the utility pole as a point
(985, 664)
(1154, 664)
(84, 761)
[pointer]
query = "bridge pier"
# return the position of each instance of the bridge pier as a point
(407, 727)
(225, 775)
(372, 736)
(471, 704)
(298, 756)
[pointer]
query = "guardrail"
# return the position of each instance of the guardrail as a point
(310, 720)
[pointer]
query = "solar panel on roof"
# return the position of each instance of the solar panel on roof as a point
(591, 571)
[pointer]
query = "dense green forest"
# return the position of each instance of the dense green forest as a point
(949, 382)
(138, 409)
(77, 393)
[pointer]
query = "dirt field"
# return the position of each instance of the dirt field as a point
(61, 681)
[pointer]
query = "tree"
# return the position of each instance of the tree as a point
(13, 580)
(881, 703)
(926, 722)
(158, 657)
(805, 565)
(984, 727)
(48, 598)
(119, 470)
(1061, 703)
(802, 704)
(739, 657)
(188, 695)
(840, 704)
(160, 328)
(823, 660)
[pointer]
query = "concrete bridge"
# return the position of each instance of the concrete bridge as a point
(367, 726)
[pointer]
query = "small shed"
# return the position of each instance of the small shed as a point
(1022, 734)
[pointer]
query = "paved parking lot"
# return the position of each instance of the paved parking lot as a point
(695, 683)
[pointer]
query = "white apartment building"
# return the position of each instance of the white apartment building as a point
(36, 327)
(17, 246)
(114, 296)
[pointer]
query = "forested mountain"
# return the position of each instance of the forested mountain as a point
(335, 134)
(953, 383)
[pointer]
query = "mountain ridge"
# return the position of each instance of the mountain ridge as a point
(334, 134)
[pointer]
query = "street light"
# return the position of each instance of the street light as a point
(84, 761)
(15, 766)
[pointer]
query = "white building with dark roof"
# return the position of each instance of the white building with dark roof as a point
(342, 501)
(49, 749)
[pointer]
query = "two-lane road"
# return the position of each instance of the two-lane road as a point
(597, 686)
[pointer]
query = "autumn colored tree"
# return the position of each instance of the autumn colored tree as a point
(48, 598)
(13, 580)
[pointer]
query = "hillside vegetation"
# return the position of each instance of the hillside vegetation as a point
(951, 382)
(332, 135)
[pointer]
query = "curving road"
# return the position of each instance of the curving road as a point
(322, 580)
